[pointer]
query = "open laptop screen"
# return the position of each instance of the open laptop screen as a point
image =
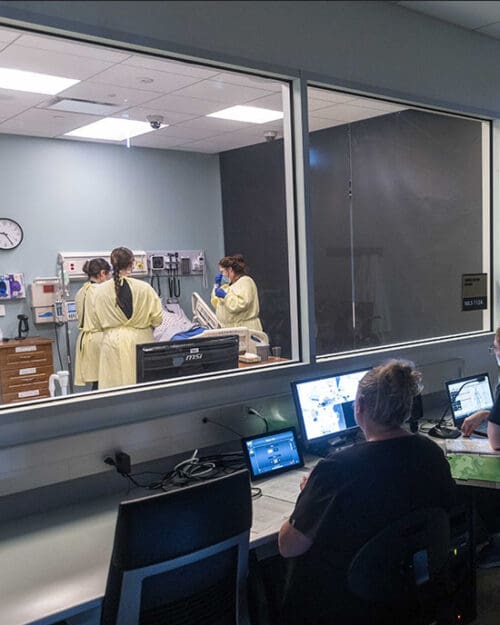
(273, 452)
(468, 395)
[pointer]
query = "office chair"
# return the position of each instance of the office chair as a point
(402, 572)
(181, 557)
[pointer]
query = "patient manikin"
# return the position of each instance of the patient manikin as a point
(175, 324)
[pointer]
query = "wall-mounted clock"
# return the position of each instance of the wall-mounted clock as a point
(11, 234)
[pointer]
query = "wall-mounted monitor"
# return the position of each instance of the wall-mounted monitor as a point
(325, 406)
(174, 359)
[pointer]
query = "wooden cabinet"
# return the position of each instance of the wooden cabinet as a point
(25, 368)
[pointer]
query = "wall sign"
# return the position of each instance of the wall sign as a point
(474, 291)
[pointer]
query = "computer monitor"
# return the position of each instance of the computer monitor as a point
(469, 395)
(271, 453)
(174, 359)
(325, 406)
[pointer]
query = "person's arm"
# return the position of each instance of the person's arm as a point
(494, 435)
(156, 316)
(474, 421)
(291, 542)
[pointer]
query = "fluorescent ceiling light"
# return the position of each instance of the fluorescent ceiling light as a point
(112, 129)
(250, 114)
(32, 82)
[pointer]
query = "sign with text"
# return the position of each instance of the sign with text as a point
(474, 291)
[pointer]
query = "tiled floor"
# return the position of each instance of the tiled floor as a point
(488, 597)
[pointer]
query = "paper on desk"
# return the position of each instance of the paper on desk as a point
(470, 446)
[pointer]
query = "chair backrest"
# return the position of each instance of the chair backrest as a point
(402, 562)
(182, 556)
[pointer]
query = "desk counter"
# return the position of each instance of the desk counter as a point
(54, 565)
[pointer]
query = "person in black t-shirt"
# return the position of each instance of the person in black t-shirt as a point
(355, 493)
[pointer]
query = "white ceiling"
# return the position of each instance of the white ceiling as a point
(140, 85)
(483, 17)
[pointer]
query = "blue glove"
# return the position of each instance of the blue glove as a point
(218, 279)
(220, 292)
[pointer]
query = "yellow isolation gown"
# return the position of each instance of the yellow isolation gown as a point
(117, 365)
(88, 342)
(240, 307)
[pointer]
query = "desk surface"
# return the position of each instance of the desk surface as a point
(55, 565)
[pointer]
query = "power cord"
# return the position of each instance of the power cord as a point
(222, 425)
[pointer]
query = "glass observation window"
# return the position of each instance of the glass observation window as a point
(184, 164)
(401, 213)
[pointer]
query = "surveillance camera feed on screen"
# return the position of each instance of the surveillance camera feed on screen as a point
(271, 453)
(325, 406)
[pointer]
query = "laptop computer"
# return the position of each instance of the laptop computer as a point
(272, 453)
(469, 395)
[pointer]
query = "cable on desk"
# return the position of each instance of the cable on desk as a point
(256, 492)
(190, 471)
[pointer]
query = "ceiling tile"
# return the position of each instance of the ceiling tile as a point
(99, 92)
(140, 113)
(157, 139)
(173, 67)
(63, 46)
(317, 123)
(50, 62)
(222, 144)
(379, 105)
(44, 123)
(15, 102)
(315, 105)
(178, 104)
(146, 79)
(214, 124)
(249, 80)
(346, 113)
(334, 97)
(186, 133)
(7, 35)
(197, 147)
(273, 102)
(224, 93)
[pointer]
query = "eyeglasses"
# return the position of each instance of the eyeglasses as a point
(493, 348)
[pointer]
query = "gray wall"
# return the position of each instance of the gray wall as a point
(77, 196)
(375, 46)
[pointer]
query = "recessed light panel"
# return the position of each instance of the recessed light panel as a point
(112, 129)
(32, 82)
(250, 114)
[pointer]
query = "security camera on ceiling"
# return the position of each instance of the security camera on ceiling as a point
(155, 121)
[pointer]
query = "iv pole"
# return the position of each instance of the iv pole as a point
(64, 295)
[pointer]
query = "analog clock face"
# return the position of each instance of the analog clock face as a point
(11, 234)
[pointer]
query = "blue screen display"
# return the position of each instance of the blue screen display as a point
(272, 452)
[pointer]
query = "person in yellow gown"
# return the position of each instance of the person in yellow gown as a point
(127, 310)
(88, 342)
(234, 296)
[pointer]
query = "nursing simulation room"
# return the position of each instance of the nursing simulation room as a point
(177, 179)
(184, 165)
